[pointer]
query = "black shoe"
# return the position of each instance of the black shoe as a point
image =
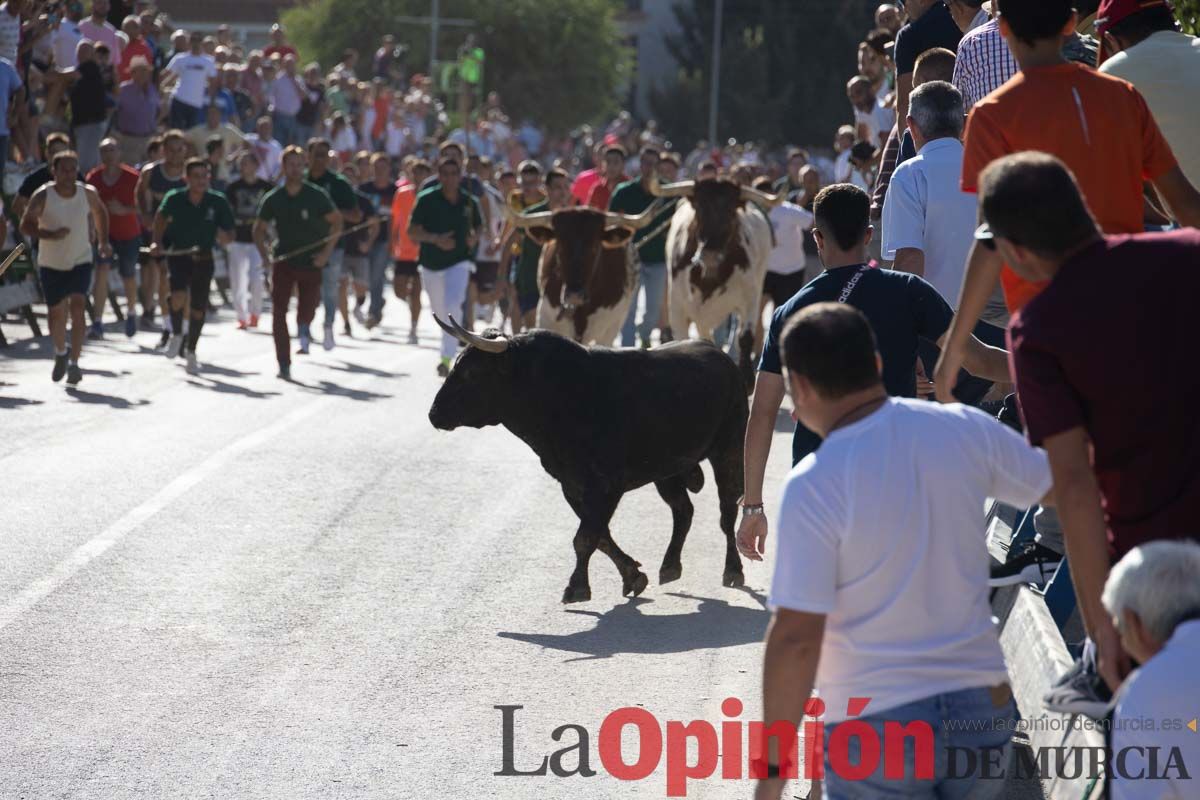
(146, 322)
(163, 341)
(60, 368)
(1033, 563)
(74, 375)
(285, 372)
(1080, 691)
(346, 329)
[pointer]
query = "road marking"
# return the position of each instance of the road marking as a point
(133, 519)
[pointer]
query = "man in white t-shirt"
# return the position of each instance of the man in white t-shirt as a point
(193, 73)
(1142, 45)
(66, 35)
(872, 120)
(267, 148)
(880, 588)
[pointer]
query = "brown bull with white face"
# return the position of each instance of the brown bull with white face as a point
(717, 252)
(586, 272)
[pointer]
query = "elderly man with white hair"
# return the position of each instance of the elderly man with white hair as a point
(1153, 596)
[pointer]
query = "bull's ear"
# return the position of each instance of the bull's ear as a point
(541, 234)
(616, 237)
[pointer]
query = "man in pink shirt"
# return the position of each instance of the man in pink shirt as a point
(98, 29)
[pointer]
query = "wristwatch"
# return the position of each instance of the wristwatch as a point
(753, 510)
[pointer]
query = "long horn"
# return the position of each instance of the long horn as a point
(677, 189)
(635, 221)
(768, 200)
(526, 220)
(466, 337)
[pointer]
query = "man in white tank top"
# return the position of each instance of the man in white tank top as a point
(58, 216)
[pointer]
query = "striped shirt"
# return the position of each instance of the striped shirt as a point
(984, 63)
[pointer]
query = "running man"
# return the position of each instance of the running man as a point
(381, 189)
(158, 178)
(57, 215)
(193, 219)
(445, 223)
(245, 266)
(341, 192)
(308, 225)
(116, 183)
(406, 282)
(525, 273)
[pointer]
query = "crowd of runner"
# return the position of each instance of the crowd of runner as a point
(157, 155)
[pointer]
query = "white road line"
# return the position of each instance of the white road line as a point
(99, 544)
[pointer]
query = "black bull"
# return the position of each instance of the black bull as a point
(606, 421)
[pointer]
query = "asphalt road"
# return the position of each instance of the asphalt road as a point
(229, 586)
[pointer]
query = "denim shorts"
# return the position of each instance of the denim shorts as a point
(969, 727)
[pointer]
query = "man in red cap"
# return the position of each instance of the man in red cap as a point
(1140, 43)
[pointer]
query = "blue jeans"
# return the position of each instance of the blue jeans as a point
(285, 128)
(378, 260)
(982, 728)
(652, 278)
(331, 275)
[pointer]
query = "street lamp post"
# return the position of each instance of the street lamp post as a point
(714, 80)
(433, 36)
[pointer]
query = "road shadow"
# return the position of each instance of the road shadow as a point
(105, 373)
(222, 387)
(95, 398)
(360, 369)
(625, 630)
(225, 372)
(18, 402)
(329, 387)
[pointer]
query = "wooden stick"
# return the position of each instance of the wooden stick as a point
(13, 256)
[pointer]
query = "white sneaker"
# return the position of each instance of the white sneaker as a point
(193, 366)
(175, 345)
(328, 344)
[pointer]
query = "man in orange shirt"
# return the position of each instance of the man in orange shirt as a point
(406, 281)
(1099, 126)
(614, 176)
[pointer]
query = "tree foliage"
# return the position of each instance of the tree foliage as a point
(1188, 14)
(558, 62)
(784, 66)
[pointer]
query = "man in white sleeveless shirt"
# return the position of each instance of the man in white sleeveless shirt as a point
(57, 216)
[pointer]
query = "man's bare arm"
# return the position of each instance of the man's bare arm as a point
(1182, 199)
(760, 428)
(983, 271)
(31, 217)
(1085, 536)
(910, 259)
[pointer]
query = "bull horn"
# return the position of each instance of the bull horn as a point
(634, 221)
(523, 221)
(468, 338)
(677, 189)
(768, 200)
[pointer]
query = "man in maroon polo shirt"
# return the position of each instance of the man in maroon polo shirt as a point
(1103, 360)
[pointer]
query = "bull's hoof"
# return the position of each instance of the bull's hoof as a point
(668, 574)
(733, 578)
(636, 586)
(577, 594)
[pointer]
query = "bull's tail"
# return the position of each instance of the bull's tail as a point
(695, 479)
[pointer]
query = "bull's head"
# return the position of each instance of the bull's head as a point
(581, 233)
(481, 377)
(716, 203)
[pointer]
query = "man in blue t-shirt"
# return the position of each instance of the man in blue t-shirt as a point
(902, 309)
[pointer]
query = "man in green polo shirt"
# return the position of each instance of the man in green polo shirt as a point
(195, 218)
(445, 222)
(341, 191)
(308, 226)
(633, 197)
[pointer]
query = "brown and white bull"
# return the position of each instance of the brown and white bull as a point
(586, 273)
(717, 251)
